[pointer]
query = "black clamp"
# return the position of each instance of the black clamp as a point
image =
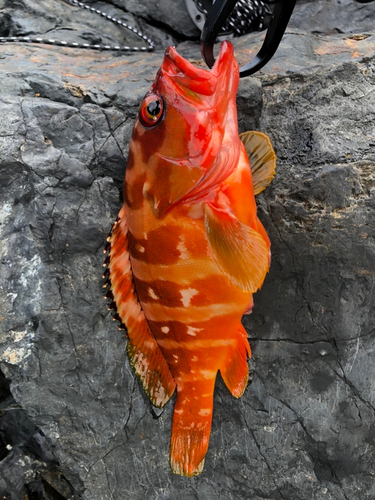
(219, 13)
(216, 18)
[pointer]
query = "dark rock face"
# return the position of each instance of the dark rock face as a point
(165, 14)
(333, 16)
(304, 429)
(28, 466)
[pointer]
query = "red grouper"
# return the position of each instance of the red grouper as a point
(187, 250)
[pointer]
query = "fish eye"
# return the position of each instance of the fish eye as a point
(151, 111)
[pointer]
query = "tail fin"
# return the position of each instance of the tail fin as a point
(191, 427)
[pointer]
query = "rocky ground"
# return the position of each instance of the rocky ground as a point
(74, 421)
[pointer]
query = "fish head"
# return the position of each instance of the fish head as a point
(181, 126)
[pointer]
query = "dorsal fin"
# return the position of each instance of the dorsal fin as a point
(142, 348)
(262, 158)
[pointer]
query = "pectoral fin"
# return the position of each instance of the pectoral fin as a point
(239, 250)
(262, 158)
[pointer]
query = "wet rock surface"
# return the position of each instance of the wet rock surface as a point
(305, 427)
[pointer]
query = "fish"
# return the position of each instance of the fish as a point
(187, 250)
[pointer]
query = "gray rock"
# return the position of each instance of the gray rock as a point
(333, 16)
(27, 463)
(304, 427)
(170, 16)
(62, 21)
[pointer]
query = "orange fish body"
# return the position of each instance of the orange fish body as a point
(188, 250)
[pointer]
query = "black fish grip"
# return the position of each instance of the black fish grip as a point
(219, 13)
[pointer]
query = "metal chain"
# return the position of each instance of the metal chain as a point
(76, 3)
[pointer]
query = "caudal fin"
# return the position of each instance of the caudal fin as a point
(191, 427)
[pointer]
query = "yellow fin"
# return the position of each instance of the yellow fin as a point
(143, 351)
(262, 158)
(239, 250)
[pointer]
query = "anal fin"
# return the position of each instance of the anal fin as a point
(142, 348)
(235, 371)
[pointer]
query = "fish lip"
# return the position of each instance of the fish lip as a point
(190, 69)
(184, 73)
(186, 67)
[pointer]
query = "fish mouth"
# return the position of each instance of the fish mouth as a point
(197, 79)
(200, 80)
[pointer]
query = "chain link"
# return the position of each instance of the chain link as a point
(76, 3)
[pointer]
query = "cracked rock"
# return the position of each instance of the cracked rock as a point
(305, 427)
(28, 466)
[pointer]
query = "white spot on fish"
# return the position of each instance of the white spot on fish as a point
(149, 345)
(175, 356)
(164, 329)
(204, 412)
(179, 411)
(187, 295)
(208, 374)
(193, 331)
(152, 294)
(146, 189)
(194, 358)
(181, 247)
(140, 248)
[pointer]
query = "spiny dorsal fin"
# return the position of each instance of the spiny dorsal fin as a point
(239, 250)
(143, 351)
(262, 158)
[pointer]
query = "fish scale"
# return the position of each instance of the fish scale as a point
(188, 250)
